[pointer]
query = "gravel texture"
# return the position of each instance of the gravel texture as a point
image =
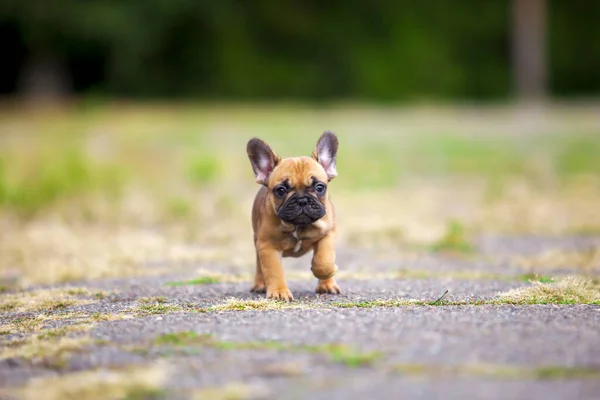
(413, 343)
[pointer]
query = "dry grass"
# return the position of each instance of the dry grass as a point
(101, 317)
(51, 347)
(61, 331)
(231, 391)
(183, 173)
(52, 352)
(57, 252)
(572, 290)
(47, 299)
(159, 305)
(586, 261)
(47, 342)
(105, 384)
(521, 208)
(154, 308)
(380, 303)
(34, 323)
(233, 304)
(288, 369)
(25, 324)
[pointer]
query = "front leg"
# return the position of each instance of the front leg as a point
(272, 271)
(323, 264)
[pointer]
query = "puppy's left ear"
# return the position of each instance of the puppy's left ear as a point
(325, 153)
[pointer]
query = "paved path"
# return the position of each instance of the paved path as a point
(324, 351)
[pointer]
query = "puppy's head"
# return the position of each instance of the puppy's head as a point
(296, 186)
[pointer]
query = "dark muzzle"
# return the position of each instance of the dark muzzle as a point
(301, 210)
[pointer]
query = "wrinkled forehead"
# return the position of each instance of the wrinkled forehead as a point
(298, 172)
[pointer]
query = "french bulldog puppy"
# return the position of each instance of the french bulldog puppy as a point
(292, 214)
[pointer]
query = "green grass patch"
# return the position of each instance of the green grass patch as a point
(62, 175)
(179, 208)
(370, 166)
(379, 164)
(336, 353)
(454, 240)
(533, 277)
(203, 169)
(155, 305)
(350, 357)
(183, 338)
(560, 372)
(160, 305)
(452, 154)
(578, 155)
(204, 280)
(498, 372)
(148, 309)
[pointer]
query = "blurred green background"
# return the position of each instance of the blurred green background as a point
(383, 50)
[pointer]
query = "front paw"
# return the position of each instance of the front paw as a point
(280, 294)
(328, 286)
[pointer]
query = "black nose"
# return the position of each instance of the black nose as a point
(302, 201)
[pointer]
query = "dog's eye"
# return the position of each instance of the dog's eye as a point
(320, 188)
(280, 191)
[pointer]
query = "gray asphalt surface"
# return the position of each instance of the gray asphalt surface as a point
(414, 341)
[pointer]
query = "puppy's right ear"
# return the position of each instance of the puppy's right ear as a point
(263, 159)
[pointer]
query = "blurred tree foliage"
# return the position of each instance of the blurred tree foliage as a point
(383, 50)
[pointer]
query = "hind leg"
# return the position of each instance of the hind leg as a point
(259, 280)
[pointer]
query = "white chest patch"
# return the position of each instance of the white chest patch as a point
(298, 243)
